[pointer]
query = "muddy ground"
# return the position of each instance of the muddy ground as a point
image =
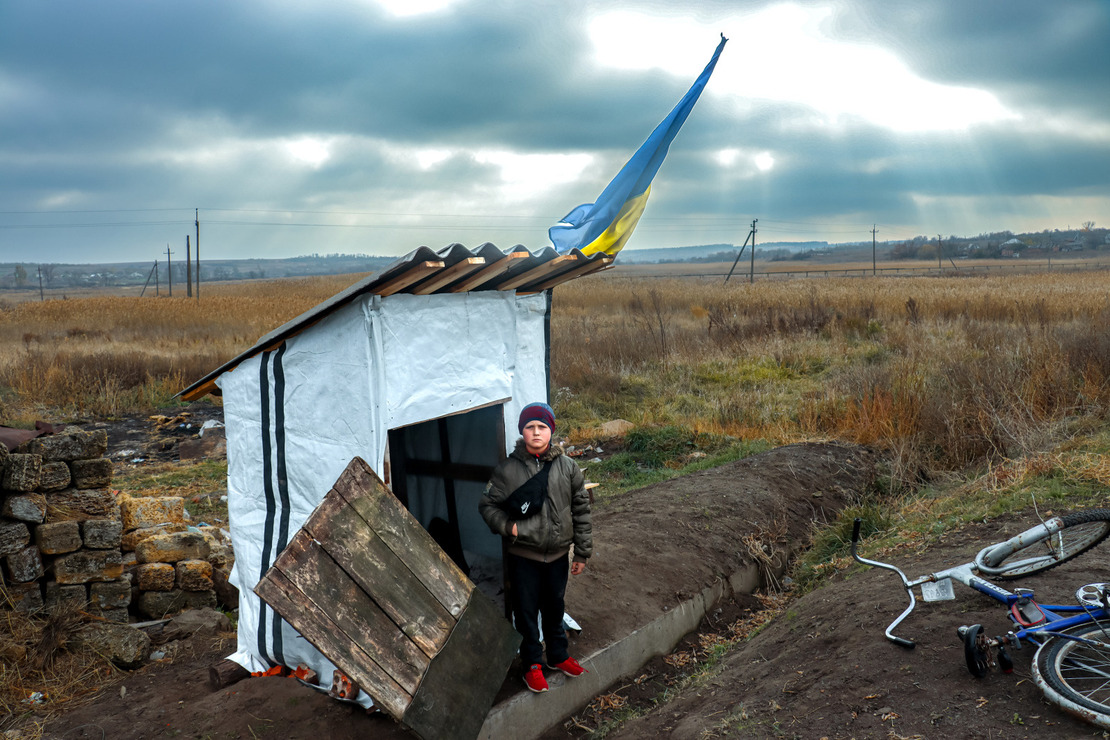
(821, 669)
(142, 439)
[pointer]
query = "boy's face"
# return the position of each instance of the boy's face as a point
(537, 437)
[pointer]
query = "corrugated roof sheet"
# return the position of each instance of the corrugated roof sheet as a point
(424, 271)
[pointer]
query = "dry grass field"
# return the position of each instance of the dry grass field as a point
(942, 372)
(105, 355)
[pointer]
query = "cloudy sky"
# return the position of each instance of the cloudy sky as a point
(376, 126)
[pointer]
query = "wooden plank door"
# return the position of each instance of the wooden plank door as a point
(371, 590)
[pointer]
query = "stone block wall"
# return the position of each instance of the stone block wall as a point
(67, 538)
(60, 527)
(174, 565)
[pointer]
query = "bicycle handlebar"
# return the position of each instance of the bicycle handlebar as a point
(903, 642)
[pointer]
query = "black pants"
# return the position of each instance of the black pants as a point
(538, 589)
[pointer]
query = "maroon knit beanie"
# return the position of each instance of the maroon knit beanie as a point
(536, 412)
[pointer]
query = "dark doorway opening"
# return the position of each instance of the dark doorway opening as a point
(438, 470)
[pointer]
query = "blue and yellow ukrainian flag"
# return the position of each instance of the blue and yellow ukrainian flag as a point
(605, 226)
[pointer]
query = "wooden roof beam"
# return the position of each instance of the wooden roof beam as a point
(201, 391)
(538, 272)
(408, 277)
(592, 266)
(489, 272)
(462, 268)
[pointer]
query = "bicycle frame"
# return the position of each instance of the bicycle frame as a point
(987, 561)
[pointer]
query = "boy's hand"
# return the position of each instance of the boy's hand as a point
(514, 529)
(577, 568)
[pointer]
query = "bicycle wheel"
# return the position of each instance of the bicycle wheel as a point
(1075, 675)
(1081, 531)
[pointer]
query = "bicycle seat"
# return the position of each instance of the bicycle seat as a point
(1026, 613)
(1094, 595)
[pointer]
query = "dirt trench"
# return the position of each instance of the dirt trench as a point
(657, 546)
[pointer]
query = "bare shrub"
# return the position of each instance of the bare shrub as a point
(651, 316)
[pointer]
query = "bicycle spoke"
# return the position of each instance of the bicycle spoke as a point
(1087, 671)
(1079, 667)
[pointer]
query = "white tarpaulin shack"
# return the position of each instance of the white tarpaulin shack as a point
(420, 370)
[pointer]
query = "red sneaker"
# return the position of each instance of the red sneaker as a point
(570, 668)
(534, 680)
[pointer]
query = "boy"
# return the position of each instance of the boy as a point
(539, 544)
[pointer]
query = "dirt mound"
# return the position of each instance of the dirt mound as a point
(825, 670)
(657, 546)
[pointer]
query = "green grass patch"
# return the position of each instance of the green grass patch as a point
(181, 478)
(200, 483)
(658, 453)
(833, 542)
(743, 375)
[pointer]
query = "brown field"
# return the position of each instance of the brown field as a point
(942, 372)
(107, 355)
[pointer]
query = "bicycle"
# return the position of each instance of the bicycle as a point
(1071, 665)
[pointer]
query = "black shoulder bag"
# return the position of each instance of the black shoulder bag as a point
(528, 498)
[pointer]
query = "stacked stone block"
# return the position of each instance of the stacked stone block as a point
(172, 563)
(60, 528)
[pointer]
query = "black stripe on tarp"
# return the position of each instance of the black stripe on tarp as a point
(282, 481)
(268, 489)
(547, 341)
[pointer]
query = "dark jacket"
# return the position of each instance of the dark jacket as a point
(564, 518)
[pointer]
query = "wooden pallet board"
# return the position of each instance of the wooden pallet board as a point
(371, 590)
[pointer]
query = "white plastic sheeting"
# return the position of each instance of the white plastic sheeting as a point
(297, 414)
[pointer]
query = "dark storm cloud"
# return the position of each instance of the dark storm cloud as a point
(117, 105)
(453, 77)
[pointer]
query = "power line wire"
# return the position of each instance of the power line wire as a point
(93, 225)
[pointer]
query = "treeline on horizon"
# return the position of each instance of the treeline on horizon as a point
(995, 245)
(27, 276)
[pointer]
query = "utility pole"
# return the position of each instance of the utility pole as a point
(169, 271)
(751, 275)
(188, 270)
(940, 265)
(152, 273)
(873, 230)
(41, 296)
(751, 237)
(197, 215)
